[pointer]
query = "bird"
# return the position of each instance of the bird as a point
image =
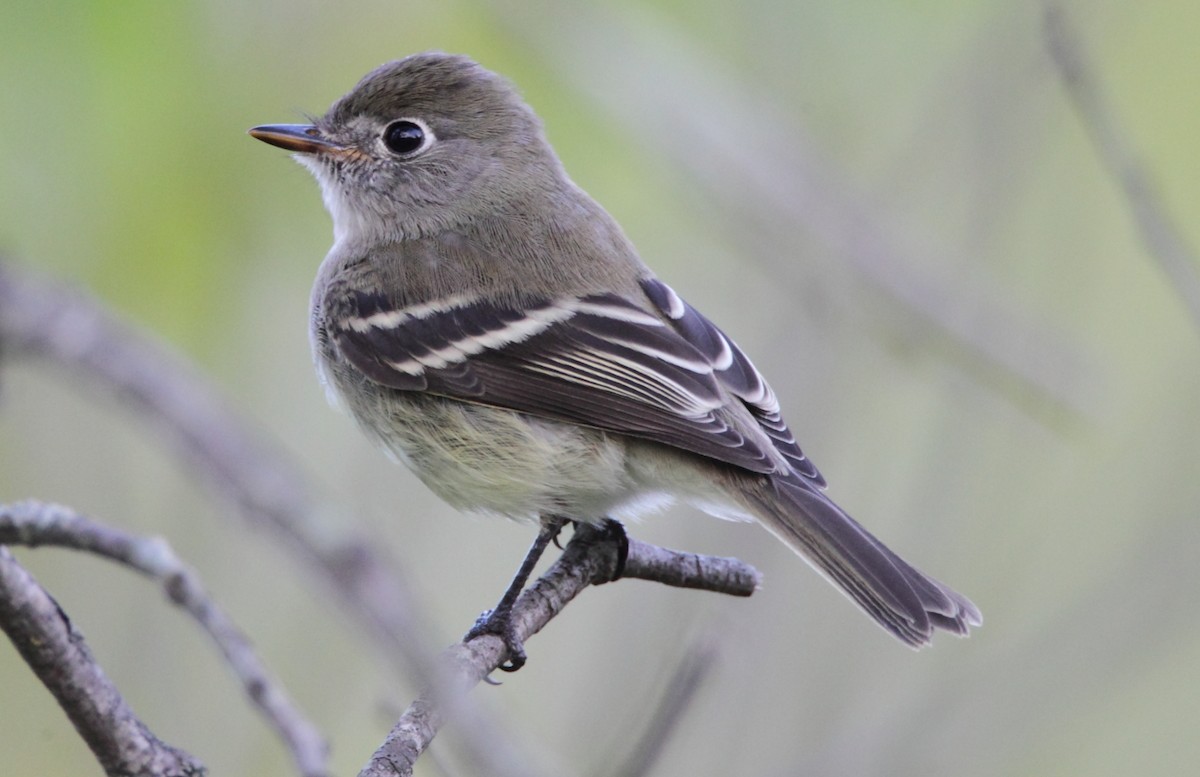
(491, 326)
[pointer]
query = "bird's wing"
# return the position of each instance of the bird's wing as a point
(604, 361)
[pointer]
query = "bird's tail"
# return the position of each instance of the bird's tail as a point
(904, 601)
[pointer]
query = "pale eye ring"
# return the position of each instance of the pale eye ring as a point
(406, 137)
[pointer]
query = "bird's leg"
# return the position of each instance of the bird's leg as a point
(498, 621)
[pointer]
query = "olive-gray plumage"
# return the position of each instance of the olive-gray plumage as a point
(490, 324)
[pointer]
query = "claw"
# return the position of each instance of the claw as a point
(500, 624)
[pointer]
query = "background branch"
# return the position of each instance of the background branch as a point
(66, 327)
(34, 524)
(1160, 236)
(58, 655)
(664, 719)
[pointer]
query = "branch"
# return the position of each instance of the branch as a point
(58, 655)
(1159, 234)
(590, 558)
(33, 524)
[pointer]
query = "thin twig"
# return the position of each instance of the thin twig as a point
(58, 655)
(33, 523)
(1159, 234)
(591, 558)
(680, 691)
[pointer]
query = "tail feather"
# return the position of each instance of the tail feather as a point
(903, 600)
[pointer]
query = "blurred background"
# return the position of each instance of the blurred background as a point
(893, 207)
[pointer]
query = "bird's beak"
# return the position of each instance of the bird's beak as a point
(303, 138)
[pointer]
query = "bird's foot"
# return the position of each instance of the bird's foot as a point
(500, 624)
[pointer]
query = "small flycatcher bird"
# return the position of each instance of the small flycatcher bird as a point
(489, 324)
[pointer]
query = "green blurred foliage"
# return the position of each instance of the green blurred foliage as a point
(1062, 494)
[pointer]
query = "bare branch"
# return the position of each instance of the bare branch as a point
(33, 524)
(590, 558)
(58, 655)
(1159, 234)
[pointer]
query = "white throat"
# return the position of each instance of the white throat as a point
(352, 223)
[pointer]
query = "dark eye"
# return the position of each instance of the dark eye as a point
(404, 136)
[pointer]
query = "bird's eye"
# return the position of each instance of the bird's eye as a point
(406, 137)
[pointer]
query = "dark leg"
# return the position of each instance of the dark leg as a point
(499, 620)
